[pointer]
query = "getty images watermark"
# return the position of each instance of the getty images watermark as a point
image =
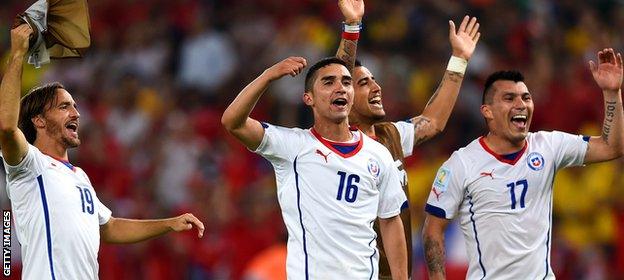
(6, 243)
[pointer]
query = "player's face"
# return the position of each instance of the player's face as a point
(510, 113)
(332, 93)
(367, 106)
(62, 120)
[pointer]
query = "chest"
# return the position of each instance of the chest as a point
(500, 186)
(68, 192)
(332, 176)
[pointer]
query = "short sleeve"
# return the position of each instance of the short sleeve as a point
(31, 166)
(448, 188)
(391, 195)
(104, 214)
(569, 149)
(406, 131)
(279, 143)
(34, 162)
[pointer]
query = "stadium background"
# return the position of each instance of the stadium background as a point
(159, 74)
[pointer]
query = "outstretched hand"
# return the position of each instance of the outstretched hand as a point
(290, 66)
(464, 40)
(608, 72)
(19, 38)
(186, 222)
(352, 10)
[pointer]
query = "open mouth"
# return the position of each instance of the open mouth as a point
(340, 102)
(72, 126)
(375, 101)
(519, 121)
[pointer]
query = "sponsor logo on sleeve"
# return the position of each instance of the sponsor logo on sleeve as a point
(441, 181)
(535, 161)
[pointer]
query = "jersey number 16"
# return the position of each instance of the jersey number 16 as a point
(351, 189)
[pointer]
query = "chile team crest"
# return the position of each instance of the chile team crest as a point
(373, 167)
(535, 161)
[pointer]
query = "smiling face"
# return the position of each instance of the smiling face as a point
(331, 96)
(61, 121)
(367, 106)
(508, 110)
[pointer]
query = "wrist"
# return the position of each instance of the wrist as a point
(460, 55)
(353, 21)
(457, 64)
(351, 31)
(18, 54)
(614, 92)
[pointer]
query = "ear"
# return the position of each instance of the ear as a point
(38, 121)
(486, 111)
(307, 98)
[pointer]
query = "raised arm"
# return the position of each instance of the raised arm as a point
(353, 11)
(395, 246)
(433, 244)
(608, 75)
(236, 117)
(12, 141)
(119, 230)
(433, 119)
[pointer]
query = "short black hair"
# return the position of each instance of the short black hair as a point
(35, 102)
(358, 63)
(311, 75)
(506, 75)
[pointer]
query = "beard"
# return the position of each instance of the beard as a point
(56, 130)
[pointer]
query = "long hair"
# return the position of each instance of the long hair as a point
(36, 102)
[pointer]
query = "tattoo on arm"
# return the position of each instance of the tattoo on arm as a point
(434, 255)
(422, 129)
(346, 52)
(448, 76)
(608, 120)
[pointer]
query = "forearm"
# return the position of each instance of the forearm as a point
(433, 243)
(237, 114)
(395, 246)
(346, 52)
(10, 92)
(119, 230)
(612, 123)
(441, 103)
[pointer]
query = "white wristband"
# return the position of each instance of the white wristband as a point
(352, 28)
(457, 64)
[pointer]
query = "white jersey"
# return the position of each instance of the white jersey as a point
(505, 205)
(57, 218)
(329, 201)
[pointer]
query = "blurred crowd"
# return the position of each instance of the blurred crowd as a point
(158, 75)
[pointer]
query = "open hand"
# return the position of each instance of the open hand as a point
(290, 66)
(186, 222)
(608, 72)
(19, 39)
(464, 40)
(352, 10)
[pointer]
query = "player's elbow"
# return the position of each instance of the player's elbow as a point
(7, 129)
(228, 121)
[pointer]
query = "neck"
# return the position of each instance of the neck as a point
(501, 145)
(366, 127)
(335, 132)
(51, 148)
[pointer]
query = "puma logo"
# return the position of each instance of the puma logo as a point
(490, 174)
(323, 155)
(437, 194)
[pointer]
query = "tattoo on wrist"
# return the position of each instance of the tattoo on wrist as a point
(608, 120)
(434, 255)
(454, 76)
